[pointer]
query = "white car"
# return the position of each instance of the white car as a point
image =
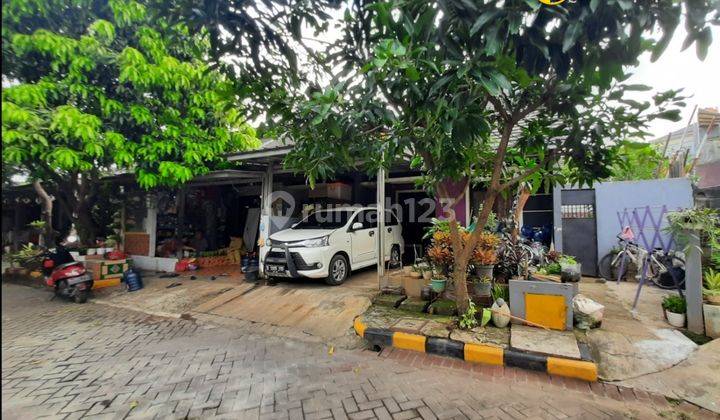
(328, 244)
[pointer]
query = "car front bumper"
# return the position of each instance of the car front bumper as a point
(281, 261)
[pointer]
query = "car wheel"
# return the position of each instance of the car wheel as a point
(338, 270)
(395, 256)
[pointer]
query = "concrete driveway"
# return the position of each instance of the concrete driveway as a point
(305, 309)
(301, 308)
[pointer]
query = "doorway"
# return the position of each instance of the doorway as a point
(417, 209)
(579, 228)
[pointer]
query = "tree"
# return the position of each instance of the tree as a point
(637, 161)
(106, 87)
(261, 45)
(489, 93)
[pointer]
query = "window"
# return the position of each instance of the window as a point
(325, 219)
(368, 218)
(390, 219)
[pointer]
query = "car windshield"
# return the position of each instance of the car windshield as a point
(327, 219)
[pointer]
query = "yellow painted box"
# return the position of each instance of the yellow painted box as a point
(543, 302)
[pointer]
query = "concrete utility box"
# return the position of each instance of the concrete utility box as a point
(544, 303)
(712, 320)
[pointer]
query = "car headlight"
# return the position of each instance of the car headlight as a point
(313, 243)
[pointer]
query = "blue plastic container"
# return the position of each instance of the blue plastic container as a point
(133, 280)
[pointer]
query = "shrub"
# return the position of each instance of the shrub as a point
(674, 304)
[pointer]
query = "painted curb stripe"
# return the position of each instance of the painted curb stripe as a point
(478, 353)
(406, 341)
(525, 360)
(359, 327)
(445, 347)
(572, 368)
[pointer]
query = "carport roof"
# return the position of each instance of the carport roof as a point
(271, 151)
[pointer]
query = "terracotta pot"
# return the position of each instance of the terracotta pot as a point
(413, 286)
(712, 299)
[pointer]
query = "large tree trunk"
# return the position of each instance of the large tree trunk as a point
(463, 252)
(523, 197)
(46, 235)
(86, 227)
(77, 197)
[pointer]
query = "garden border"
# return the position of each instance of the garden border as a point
(478, 353)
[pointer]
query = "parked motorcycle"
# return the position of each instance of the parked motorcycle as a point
(67, 277)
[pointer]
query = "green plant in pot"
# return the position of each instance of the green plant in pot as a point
(675, 307)
(570, 269)
(416, 272)
(685, 224)
(711, 289)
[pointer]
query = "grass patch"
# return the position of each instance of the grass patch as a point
(698, 339)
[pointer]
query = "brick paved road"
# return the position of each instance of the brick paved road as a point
(64, 360)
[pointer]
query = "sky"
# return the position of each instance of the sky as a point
(675, 69)
(682, 69)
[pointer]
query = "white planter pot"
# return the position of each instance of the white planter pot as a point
(676, 320)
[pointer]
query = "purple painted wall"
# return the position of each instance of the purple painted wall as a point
(458, 191)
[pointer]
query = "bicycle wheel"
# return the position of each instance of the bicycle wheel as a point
(605, 267)
(675, 269)
(610, 272)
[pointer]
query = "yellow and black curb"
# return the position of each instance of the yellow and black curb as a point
(478, 353)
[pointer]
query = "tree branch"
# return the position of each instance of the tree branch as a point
(498, 106)
(519, 115)
(527, 172)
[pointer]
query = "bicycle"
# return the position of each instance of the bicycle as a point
(534, 251)
(665, 270)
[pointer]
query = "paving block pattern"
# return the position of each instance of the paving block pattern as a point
(65, 361)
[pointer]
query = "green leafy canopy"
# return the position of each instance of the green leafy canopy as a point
(122, 93)
(453, 85)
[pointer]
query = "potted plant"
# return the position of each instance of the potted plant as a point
(441, 258)
(438, 284)
(570, 269)
(482, 286)
(711, 289)
(675, 308)
(485, 255)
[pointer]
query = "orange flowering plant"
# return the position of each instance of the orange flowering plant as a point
(485, 253)
(441, 253)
